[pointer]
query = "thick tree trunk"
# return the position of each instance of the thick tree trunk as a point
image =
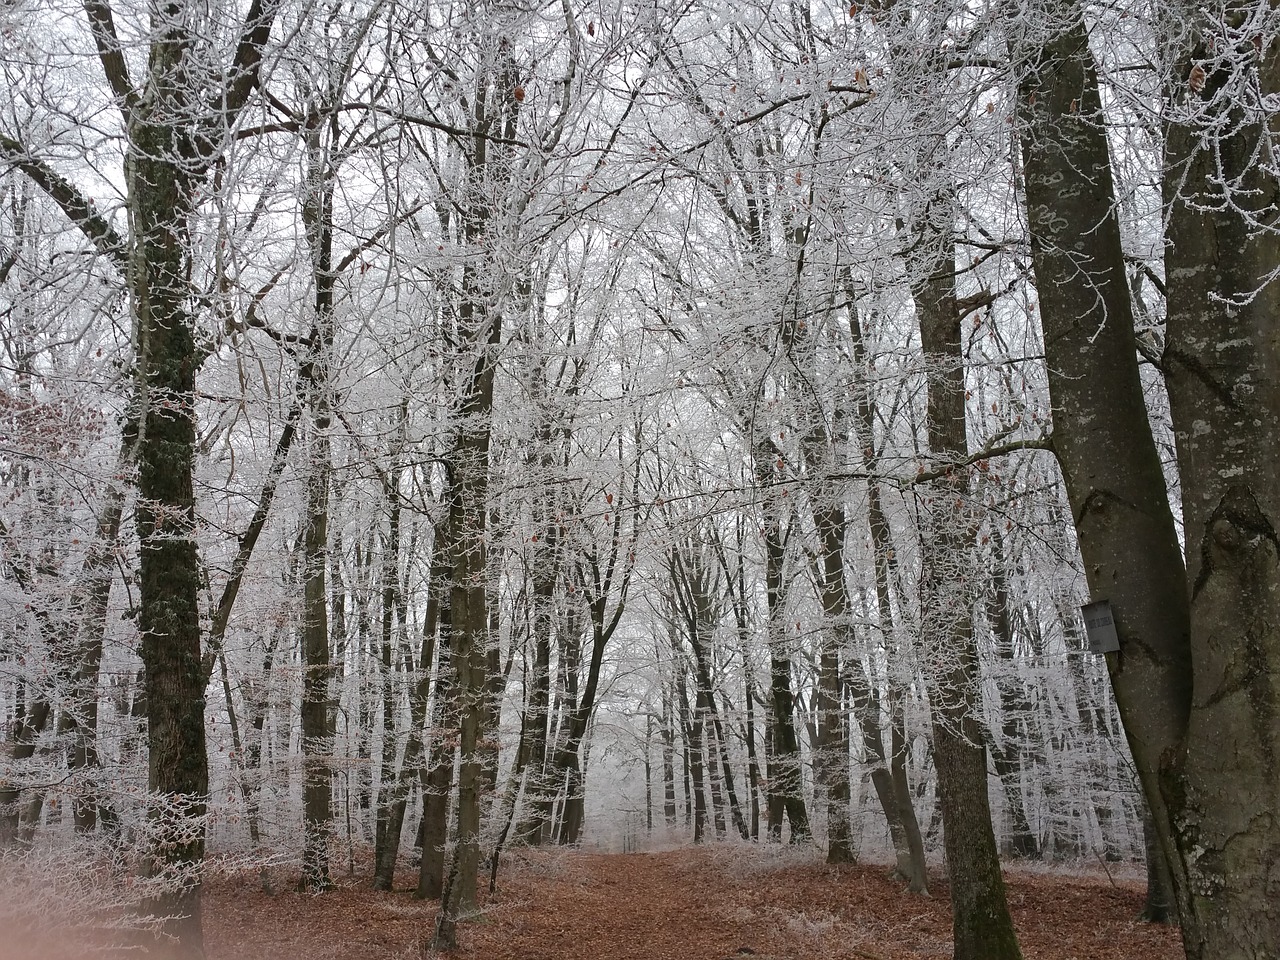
(169, 614)
(1101, 436)
(1159, 905)
(1222, 364)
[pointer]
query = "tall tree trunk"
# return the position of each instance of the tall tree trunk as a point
(437, 777)
(29, 723)
(785, 776)
(1005, 752)
(917, 878)
(90, 601)
(982, 928)
(544, 570)
(317, 712)
(411, 768)
(693, 746)
(1102, 436)
(169, 617)
(1222, 364)
(667, 733)
(832, 766)
(736, 580)
(696, 603)
(889, 773)
(388, 663)
(167, 152)
(469, 631)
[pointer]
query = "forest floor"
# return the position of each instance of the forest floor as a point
(711, 903)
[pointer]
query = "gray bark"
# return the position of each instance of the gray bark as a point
(1101, 436)
(1222, 364)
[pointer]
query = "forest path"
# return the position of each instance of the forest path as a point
(644, 906)
(718, 902)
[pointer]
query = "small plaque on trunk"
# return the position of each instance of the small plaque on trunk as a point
(1100, 627)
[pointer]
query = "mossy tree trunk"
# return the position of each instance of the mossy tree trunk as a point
(174, 131)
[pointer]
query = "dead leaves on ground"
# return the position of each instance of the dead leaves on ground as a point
(713, 903)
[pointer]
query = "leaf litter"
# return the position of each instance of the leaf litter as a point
(719, 902)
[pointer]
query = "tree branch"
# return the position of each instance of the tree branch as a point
(103, 27)
(248, 59)
(989, 452)
(78, 209)
(249, 539)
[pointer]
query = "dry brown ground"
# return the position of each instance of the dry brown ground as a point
(710, 903)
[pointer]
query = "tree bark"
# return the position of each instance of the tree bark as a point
(437, 777)
(317, 712)
(782, 746)
(168, 151)
(161, 187)
(982, 928)
(1222, 364)
(1005, 752)
(889, 773)
(832, 767)
(411, 768)
(1102, 437)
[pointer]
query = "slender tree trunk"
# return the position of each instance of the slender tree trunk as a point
(544, 570)
(753, 763)
(648, 773)
(28, 726)
(411, 768)
(667, 733)
(832, 766)
(317, 712)
(693, 744)
(696, 603)
(89, 605)
(888, 775)
(982, 928)
(437, 779)
(388, 662)
(714, 781)
(785, 779)
(682, 705)
(1005, 752)
(917, 879)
